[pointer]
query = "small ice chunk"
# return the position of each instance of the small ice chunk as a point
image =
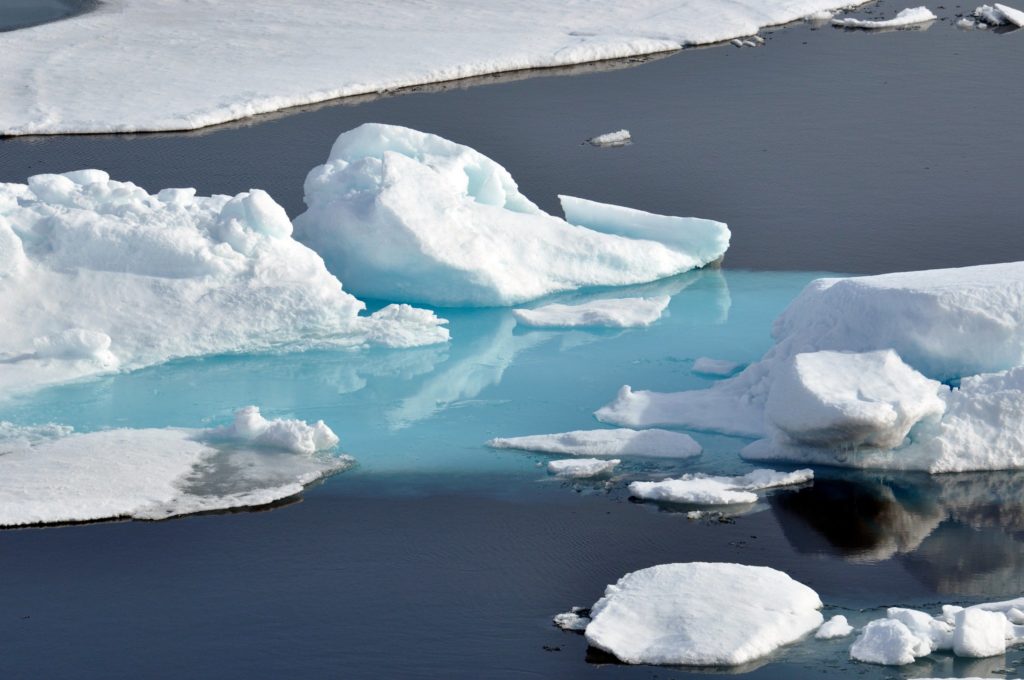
(1015, 616)
(716, 367)
(836, 627)
(965, 23)
(576, 619)
(887, 642)
(290, 435)
(907, 17)
(582, 468)
(736, 42)
(615, 442)
(758, 39)
(609, 313)
(702, 614)
(979, 633)
(617, 138)
(700, 489)
(749, 43)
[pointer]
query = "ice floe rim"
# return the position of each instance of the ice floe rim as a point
(496, 77)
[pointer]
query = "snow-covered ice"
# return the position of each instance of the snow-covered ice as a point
(617, 138)
(979, 633)
(608, 313)
(122, 67)
(911, 16)
(716, 367)
(408, 216)
(652, 443)
(836, 627)
(702, 614)
(582, 468)
(60, 476)
(97, 275)
(887, 642)
(701, 489)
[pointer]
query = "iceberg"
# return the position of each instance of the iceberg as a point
(98, 275)
(701, 489)
(122, 68)
(582, 468)
(911, 16)
(408, 216)
(59, 476)
(701, 614)
(610, 442)
(606, 313)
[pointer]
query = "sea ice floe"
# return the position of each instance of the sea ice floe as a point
(126, 70)
(652, 443)
(911, 16)
(607, 313)
(582, 468)
(701, 489)
(716, 367)
(408, 216)
(851, 379)
(617, 138)
(97, 274)
(999, 15)
(701, 614)
(836, 627)
(58, 476)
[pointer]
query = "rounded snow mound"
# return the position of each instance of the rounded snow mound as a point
(404, 215)
(702, 614)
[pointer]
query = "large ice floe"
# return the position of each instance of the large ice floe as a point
(701, 489)
(121, 68)
(652, 443)
(52, 475)
(408, 216)
(701, 614)
(98, 275)
(912, 16)
(906, 635)
(854, 377)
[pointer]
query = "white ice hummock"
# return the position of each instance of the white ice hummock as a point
(582, 468)
(97, 274)
(606, 313)
(409, 216)
(157, 473)
(701, 489)
(701, 614)
(122, 68)
(911, 16)
(836, 627)
(608, 442)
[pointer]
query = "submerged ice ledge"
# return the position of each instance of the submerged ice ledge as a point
(54, 476)
(123, 69)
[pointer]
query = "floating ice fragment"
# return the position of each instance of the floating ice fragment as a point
(616, 442)
(716, 367)
(701, 614)
(700, 489)
(582, 468)
(408, 216)
(887, 642)
(979, 633)
(250, 427)
(998, 15)
(577, 619)
(907, 17)
(608, 313)
(836, 627)
(618, 138)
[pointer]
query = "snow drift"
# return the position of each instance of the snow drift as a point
(409, 216)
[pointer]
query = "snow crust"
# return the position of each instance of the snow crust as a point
(52, 475)
(652, 443)
(617, 138)
(701, 614)
(907, 17)
(701, 489)
(608, 313)
(98, 275)
(582, 468)
(404, 215)
(122, 68)
(836, 627)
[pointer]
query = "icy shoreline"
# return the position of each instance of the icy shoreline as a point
(102, 71)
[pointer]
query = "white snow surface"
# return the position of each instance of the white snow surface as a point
(907, 17)
(408, 216)
(98, 275)
(652, 443)
(703, 614)
(607, 313)
(617, 138)
(836, 627)
(131, 65)
(57, 476)
(701, 489)
(582, 468)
